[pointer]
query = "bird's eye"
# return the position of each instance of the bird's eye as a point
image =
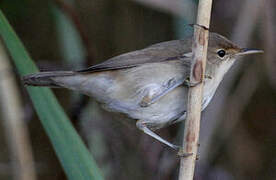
(221, 53)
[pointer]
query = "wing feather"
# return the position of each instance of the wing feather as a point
(165, 51)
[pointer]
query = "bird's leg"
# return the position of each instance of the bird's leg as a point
(143, 127)
(151, 98)
(188, 83)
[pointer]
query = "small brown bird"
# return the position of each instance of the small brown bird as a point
(148, 85)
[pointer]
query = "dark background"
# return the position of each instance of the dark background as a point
(238, 133)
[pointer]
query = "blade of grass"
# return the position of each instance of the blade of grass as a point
(76, 160)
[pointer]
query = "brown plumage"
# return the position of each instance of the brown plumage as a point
(148, 85)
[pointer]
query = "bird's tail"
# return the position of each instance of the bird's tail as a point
(45, 78)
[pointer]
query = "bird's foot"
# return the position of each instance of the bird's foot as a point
(182, 153)
(188, 82)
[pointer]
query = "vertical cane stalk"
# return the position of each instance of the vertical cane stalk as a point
(192, 123)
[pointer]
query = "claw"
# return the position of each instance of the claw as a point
(188, 83)
(182, 153)
(144, 104)
(197, 157)
(208, 76)
(146, 101)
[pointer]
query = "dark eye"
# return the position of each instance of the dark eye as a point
(221, 53)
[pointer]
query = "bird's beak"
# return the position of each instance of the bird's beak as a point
(245, 51)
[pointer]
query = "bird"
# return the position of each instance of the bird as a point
(149, 85)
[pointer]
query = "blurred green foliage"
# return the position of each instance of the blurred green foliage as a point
(75, 158)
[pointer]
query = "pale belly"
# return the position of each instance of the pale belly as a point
(122, 91)
(167, 110)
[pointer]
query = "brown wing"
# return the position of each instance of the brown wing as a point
(170, 50)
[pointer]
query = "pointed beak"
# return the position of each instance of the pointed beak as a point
(245, 51)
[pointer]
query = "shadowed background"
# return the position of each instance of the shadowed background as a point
(237, 139)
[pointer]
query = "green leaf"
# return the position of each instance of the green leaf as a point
(76, 160)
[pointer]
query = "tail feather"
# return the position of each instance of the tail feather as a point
(45, 78)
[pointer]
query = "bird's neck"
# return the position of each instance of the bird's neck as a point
(217, 71)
